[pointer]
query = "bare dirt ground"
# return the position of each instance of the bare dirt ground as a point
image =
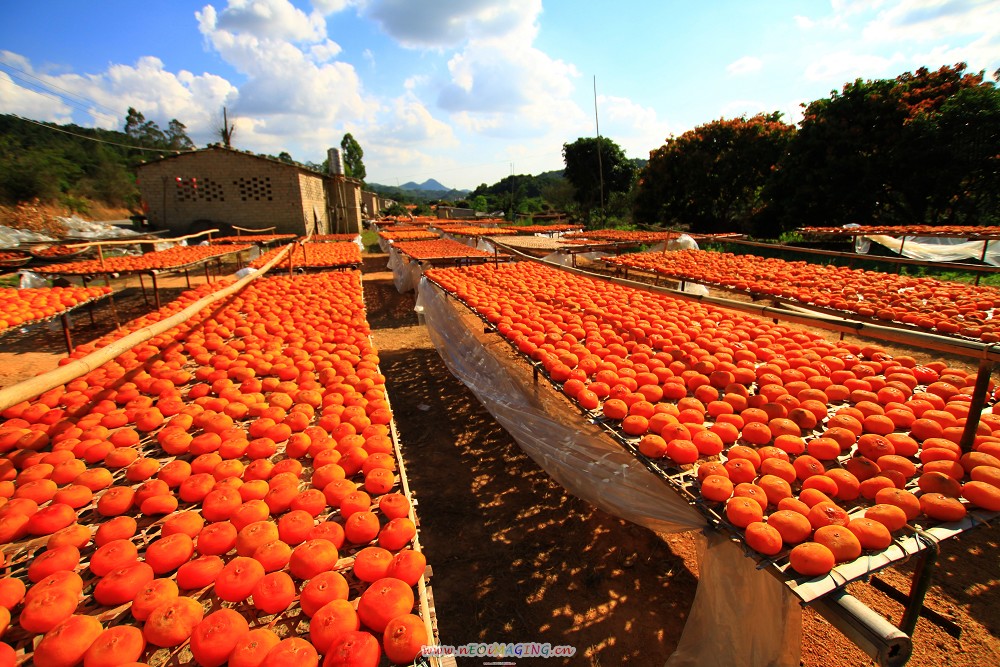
(515, 558)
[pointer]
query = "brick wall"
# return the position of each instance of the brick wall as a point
(314, 203)
(344, 195)
(370, 202)
(225, 186)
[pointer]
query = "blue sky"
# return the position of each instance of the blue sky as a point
(463, 91)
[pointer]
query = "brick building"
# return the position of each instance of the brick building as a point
(219, 187)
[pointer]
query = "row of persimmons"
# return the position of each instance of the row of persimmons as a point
(230, 477)
(927, 303)
(160, 260)
(20, 307)
(826, 449)
(315, 255)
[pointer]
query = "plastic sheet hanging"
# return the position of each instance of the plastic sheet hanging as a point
(406, 274)
(938, 249)
(740, 617)
(682, 242)
(30, 279)
(566, 259)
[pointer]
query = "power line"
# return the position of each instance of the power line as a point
(114, 113)
(100, 141)
(52, 96)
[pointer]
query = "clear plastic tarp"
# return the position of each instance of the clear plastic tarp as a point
(566, 259)
(12, 238)
(733, 621)
(77, 227)
(406, 273)
(30, 279)
(936, 249)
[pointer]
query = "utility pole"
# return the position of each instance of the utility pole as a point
(512, 212)
(600, 166)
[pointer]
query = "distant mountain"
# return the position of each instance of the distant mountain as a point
(429, 190)
(429, 184)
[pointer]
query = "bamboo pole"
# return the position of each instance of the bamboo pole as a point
(39, 384)
(99, 244)
(248, 229)
(919, 339)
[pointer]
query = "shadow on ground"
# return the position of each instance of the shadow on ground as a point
(515, 557)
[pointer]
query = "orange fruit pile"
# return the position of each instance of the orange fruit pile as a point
(23, 306)
(782, 427)
(925, 303)
(161, 260)
(243, 457)
(315, 255)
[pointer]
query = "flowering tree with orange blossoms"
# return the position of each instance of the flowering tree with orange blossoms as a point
(712, 176)
(918, 149)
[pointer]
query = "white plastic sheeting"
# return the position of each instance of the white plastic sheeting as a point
(406, 274)
(31, 279)
(566, 259)
(740, 617)
(937, 249)
(682, 242)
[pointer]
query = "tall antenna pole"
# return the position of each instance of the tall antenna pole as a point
(600, 166)
(513, 213)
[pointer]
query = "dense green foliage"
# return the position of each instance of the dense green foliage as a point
(601, 176)
(69, 164)
(711, 178)
(923, 148)
(517, 193)
(354, 167)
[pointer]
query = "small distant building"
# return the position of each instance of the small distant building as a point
(455, 213)
(220, 187)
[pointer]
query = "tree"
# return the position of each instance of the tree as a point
(711, 177)
(145, 132)
(177, 138)
(918, 149)
(352, 154)
(480, 204)
(586, 173)
(285, 157)
(227, 130)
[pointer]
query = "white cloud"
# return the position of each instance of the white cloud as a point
(509, 90)
(745, 65)
(409, 122)
(158, 94)
(923, 20)
(325, 52)
(980, 54)
(327, 7)
(269, 19)
(450, 23)
(845, 66)
(636, 128)
(411, 83)
(21, 101)
(804, 22)
(289, 86)
(738, 108)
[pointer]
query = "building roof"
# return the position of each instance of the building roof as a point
(219, 147)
